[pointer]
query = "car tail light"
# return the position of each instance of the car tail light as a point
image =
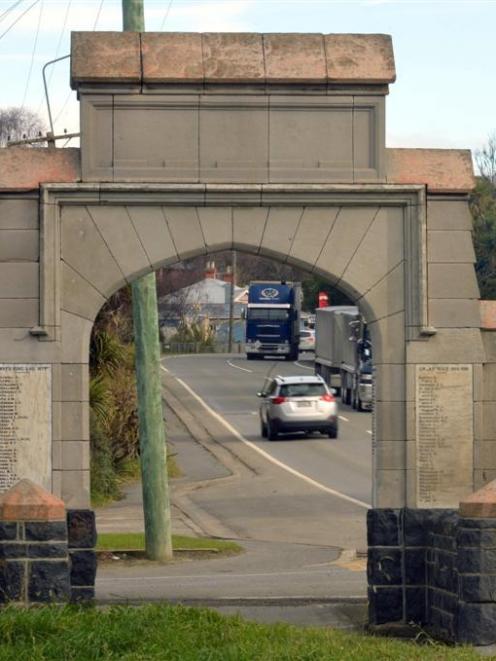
(327, 398)
(278, 400)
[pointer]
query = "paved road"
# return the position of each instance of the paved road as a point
(228, 384)
(292, 525)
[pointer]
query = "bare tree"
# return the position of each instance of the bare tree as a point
(485, 159)
(17, 123)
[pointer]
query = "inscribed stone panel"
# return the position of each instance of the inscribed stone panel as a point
(25, 424)
(444, 434)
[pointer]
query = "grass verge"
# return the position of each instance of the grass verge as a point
(157, 632)
(135, 541)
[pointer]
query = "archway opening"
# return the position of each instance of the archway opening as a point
(302, 490)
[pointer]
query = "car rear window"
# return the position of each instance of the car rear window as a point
(305, 334)
(302, 389)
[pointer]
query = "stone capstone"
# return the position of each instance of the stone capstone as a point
(26, 501)
(134, 58)
(481, 504)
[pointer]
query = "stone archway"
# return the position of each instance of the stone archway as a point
(365, 242)
(272, 144)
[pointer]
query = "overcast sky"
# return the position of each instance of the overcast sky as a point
(445, 52)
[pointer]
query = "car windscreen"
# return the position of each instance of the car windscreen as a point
(305, 333)
(264, 314)
(302, 390)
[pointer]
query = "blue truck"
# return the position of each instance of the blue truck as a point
(273, 319)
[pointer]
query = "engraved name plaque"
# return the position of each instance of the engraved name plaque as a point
(25, 424)
(444, 434)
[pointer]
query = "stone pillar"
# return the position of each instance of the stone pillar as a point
(82, 539)
(34, 557)
(477, 567)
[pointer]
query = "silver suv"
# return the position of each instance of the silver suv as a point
(297, 404)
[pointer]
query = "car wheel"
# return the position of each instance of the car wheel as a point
(251, 356)
(271, 432)
(332, 432)
(263, 429)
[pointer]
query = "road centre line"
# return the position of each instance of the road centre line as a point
(237, 367)
(268, 456)
(341, 417)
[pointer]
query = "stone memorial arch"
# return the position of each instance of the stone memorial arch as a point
(272, 144)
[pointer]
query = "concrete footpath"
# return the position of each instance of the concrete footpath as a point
(290, 569)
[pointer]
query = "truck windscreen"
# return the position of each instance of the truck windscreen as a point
(263, 314)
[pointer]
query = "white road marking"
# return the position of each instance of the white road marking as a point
(369, 431)
(341, 417)
(238, 367)
(213, 577)
(268, 456)
(303, 366)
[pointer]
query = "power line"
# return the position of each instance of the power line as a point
(7, 11)
(166, 14)
(32, 55)
(98, 15)
(97, 18)
(61, 36)
(18, 19)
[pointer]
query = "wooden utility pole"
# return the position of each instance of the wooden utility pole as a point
(231, 301)
(156, 506)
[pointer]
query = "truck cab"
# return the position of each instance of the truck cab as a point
(273, 320)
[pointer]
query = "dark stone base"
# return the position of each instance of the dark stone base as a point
(433, 569)
(34, 563)
(82, 540)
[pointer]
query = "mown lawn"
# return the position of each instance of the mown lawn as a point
(170, 633)
(135, 541)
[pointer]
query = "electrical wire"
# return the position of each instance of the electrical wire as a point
(57, 51)
(166, 15)
(35, 45)
(18, 19)
(9, 9)
(98, 15)
(97, 18)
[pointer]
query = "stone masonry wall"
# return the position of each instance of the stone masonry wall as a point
(433, 568)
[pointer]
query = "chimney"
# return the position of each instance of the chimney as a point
(210, 270)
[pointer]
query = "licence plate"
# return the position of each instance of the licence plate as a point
(303, 403)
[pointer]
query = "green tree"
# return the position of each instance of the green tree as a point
(483, 207)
